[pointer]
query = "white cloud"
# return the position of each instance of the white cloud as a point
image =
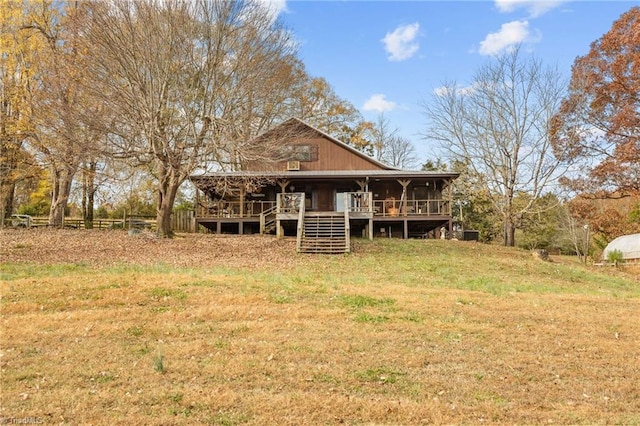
(462, 91)
(379, 103)
(275, 7)
(510, 34)
(535, 8)
(400, 44)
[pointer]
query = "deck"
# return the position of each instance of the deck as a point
(367, 216)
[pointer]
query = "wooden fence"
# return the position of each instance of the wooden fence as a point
(181, 221)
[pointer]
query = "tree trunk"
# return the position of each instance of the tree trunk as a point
(167, 191)
(62, 180)
(509, 232)
(88, 194)
(7, 174)
(7, 199)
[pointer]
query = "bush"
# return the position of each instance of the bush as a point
(615, 256)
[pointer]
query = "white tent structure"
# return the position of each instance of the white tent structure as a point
(629, 245)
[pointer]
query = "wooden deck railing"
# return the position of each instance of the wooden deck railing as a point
(289, 202)
(354, 202)
(428, 207)
(218, 209)
(358, 202)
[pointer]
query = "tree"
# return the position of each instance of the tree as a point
(607, 218)
(391, 148)
(382, 142)
(400, 153)
(17, 69)
(61, 137)
(315, 102)
(498, 126)
(472, 204)
(598, 122)
(542, 229)
(192, 83)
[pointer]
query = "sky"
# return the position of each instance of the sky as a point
(390, 56)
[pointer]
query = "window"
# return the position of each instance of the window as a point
(302, 152)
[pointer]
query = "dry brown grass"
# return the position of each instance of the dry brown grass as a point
(416, 332)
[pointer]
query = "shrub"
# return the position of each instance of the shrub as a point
(615, 256)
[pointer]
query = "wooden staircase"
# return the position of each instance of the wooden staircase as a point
(325, 232)
(268, 221)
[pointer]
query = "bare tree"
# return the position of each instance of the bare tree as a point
(191, 82)
(400, 153)
(61, 137)
(499, 126)
(389, 147)
(382, 133)
(315, 102)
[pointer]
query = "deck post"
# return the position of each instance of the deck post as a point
(197, 206)
(403, 199)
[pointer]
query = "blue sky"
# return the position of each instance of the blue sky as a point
(389, 56)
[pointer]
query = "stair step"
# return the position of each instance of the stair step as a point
(324, 233)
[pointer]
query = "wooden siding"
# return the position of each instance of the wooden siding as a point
(331, 156)
(320, 152)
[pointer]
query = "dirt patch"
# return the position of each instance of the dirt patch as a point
(101, 247)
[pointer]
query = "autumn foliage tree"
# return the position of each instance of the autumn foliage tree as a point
(44, 107)
(598, 123)
(17, 69)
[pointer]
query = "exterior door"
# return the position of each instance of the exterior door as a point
(339, 200)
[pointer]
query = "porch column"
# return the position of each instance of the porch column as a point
(242, 195)
(450, 191)
(283, 185)
(403, 198)
(197, 206)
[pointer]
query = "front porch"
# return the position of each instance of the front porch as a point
(367, 217)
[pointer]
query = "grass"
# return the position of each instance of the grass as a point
(398, 332)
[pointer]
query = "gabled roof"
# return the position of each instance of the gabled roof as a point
(343, 145)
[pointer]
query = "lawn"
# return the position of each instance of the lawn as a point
(99, 327)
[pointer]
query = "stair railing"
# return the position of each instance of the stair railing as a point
(267, 218)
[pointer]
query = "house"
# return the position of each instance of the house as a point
(324, 192)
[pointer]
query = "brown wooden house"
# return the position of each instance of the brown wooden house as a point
(324, 192)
